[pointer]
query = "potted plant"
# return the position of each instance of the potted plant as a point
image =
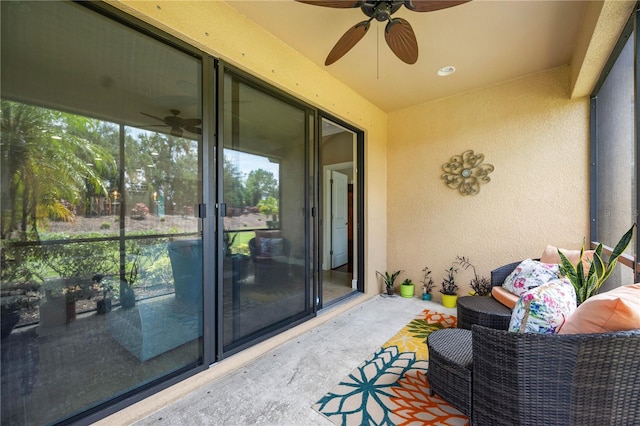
(59, 304)
(127, 295)
(103, 305)
(481, 286)
(449, 288)
(389, 280)
(427, 283)
(406, 288)
(228, 241)
(589, 284)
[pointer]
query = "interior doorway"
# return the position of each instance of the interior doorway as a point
(339, 228)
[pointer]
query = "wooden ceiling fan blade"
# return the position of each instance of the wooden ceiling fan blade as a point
(402, 40)
(151, 116)
(194, 130)
(431, 5)
(339, 4)
(190, 122)
(347, 41)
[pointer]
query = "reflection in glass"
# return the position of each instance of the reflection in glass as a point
(264, 228)
(96, 200)
(339, 195)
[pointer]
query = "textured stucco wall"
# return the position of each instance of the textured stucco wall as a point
(601, 26)
(537, 140)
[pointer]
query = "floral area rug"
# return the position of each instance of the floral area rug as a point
(390, 387)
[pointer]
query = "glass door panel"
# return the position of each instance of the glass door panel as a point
(265, 261)
(338, 165)
(99, 190)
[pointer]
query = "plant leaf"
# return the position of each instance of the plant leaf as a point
(569, 270)
(597, 264)
(622, 244)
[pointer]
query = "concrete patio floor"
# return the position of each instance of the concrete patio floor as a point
(279, 387)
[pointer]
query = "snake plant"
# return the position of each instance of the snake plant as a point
(586, 285)
(389, 279)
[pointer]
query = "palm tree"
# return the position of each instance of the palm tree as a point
(45, 168)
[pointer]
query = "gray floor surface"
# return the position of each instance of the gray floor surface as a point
(280, 387)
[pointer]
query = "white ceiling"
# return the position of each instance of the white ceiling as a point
(488, 41)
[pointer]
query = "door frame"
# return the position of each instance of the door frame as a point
(359, 216)
(326, 194)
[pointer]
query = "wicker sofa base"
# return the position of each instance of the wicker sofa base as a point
(450, 367)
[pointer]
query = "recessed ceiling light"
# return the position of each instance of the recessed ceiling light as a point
(448, 70)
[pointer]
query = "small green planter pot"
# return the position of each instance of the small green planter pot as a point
(449, 300)
(406, 290)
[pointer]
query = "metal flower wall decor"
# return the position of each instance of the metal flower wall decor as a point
(466, 172)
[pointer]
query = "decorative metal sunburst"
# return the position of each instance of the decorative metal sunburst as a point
(466, 172)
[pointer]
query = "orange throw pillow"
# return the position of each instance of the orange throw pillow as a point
(615, 310)
(550, 255)
(504, 296)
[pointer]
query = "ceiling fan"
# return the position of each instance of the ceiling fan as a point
(398, 32)
(177, 124)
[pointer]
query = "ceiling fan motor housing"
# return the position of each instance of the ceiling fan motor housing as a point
(381, 10)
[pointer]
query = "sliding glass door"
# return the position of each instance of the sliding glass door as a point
(264, 212)
(101, 180)
(158, 213)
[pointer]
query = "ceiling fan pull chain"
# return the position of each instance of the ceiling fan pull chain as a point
(378, 53)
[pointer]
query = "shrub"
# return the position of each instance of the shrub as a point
(140, 211)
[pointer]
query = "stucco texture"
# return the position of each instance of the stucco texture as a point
(537, 139)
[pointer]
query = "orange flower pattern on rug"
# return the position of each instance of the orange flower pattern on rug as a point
(391, 387)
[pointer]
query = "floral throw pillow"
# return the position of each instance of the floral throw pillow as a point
(530, 274)
(544, 309)
(271, 247)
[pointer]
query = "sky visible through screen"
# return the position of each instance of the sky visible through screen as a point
(244, 161)
(248, 162)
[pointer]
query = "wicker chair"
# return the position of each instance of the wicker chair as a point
(498, 275)
(536, 379)
(270, 269)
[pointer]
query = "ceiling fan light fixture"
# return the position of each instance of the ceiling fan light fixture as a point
(445, 71)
